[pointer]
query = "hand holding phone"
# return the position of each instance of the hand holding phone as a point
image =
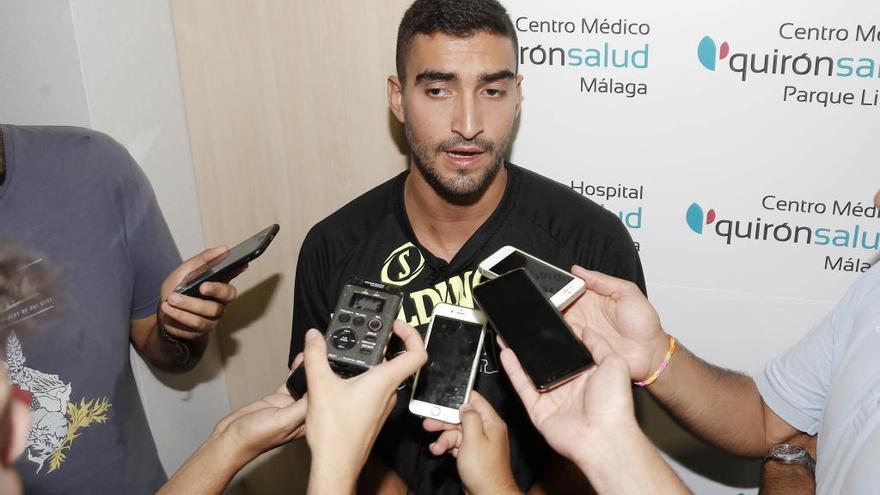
(558, 285)
(529, 324)
(227, 266)
(454, 342)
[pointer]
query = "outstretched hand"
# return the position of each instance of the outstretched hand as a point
(264, 424)
(617, 311)
(597, 402)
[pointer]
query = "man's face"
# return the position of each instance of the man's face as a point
(461, 99)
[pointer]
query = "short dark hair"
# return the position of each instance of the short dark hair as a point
(459, 18)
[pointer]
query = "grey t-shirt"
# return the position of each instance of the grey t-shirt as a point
(77, 201)
(829, 383)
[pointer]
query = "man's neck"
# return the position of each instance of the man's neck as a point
(443, 227)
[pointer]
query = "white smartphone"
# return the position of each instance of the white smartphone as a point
(454, 342)
(561, 287)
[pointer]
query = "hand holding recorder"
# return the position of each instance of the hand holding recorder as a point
(339, 439)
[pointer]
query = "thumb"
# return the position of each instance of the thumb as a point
(600, 283)
(471, 424)
(315, 358)
(208, 255)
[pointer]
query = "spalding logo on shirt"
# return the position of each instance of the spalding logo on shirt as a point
(403, 265)
(398, 268)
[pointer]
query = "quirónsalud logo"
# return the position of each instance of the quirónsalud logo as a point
(696, 219)
(709, 54)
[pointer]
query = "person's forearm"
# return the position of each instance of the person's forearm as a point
(778, 478)
(173, 354)
(207, 472)
(720, 406)
(626, 462)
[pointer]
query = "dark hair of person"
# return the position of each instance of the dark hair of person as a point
(458, 18)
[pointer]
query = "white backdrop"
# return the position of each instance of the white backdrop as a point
(676, 129)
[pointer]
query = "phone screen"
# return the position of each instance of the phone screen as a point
(548, 278)
(452, 347)
(532, 327)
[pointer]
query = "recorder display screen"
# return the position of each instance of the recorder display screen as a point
(452, 348)
(364, 302)
(549, 279)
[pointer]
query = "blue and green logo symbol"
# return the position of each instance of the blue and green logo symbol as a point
(709, 54)
(696, 219)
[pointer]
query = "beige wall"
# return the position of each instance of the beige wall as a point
(286, 108)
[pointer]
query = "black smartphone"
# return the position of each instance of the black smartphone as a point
(533, 328)
(225, 267)
(296, 382)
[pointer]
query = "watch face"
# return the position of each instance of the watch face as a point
(787, 451)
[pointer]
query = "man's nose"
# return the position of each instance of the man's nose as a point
(468, 121)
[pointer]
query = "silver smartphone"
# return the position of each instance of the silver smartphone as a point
(561, 287)
(454, 342)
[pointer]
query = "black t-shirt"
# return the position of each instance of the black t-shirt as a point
(371, 237)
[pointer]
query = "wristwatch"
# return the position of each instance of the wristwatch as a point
(787, 453)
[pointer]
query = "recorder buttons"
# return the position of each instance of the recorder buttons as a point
(358, 321)
(343, 339)
(366, 350)
(375, 324)
(370, 337)
(344, 318)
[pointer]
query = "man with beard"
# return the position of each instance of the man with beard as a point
(457, 92)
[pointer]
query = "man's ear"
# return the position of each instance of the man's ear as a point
(395, 97)
(519, 79)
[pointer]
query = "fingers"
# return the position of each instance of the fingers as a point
(598, 346)
(315, 358)
(433, 425)
(604, 355)
(294, 415)
(493, 426)
(471, 423)
(207, 256)
(446, 442)
(193, 325)
(210, 310)
(296, 362)
(225, 293)
(605, 285)
(406, 364)
(521, 383)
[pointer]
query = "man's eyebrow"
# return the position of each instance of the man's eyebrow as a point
(435, 75)
(497, 76)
